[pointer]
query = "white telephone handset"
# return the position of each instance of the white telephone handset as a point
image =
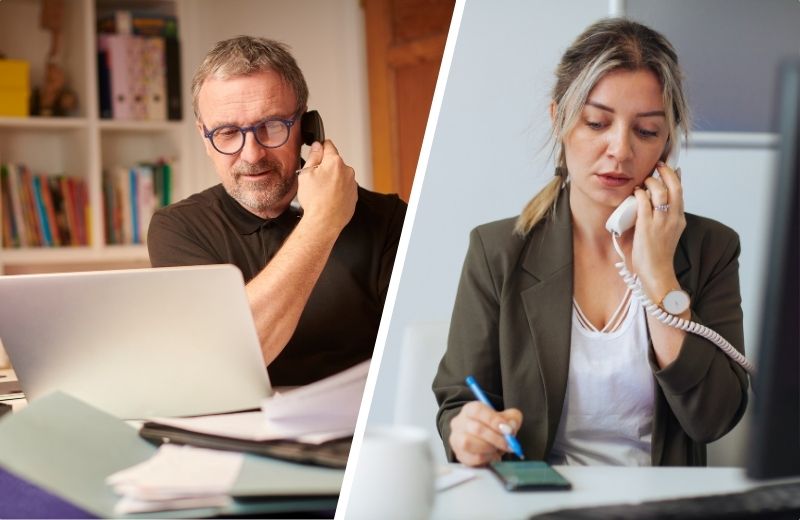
(622, 219)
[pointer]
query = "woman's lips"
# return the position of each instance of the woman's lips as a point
(612, 180)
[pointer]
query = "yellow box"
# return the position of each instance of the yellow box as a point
(15, 74)
(14, 102)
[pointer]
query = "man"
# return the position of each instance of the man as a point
(316, 277)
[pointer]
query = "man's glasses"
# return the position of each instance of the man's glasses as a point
(269, 133)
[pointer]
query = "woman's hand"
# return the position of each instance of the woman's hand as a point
(659, 224)
(476, 433)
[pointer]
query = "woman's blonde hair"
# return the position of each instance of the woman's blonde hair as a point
(608, 45)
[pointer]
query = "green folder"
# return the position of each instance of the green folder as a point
(69, 448)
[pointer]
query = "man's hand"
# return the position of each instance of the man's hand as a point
(327, 191)
(327, 188)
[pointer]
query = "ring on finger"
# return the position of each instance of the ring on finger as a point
(661, 207)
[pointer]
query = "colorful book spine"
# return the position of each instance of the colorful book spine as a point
(136, 76)
(16, 205)
(83, 211)
(68, 208)
(146, 199)
(10, 234)
(29, 206)
(49, 210)
(134, 205)
(117, 48)
(123, 196)
(41, 212)
(155, 81)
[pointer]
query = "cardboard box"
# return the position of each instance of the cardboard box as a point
(15, 88)
(14, 102)
(15, 74)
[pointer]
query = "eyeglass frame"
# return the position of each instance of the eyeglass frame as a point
(244, 129)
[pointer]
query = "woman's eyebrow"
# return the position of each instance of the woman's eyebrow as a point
(640, 114)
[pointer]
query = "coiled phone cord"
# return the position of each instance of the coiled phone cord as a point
(675, 321)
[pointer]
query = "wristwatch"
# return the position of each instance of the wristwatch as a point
(675, 302)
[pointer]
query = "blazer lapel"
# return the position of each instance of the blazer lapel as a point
(548, 307)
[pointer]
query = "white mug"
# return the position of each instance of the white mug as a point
(394, 477)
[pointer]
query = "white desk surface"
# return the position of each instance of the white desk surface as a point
(484, 496)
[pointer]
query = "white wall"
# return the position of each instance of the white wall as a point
(327, 40)
(486, 161)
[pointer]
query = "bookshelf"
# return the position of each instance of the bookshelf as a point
(83, 144)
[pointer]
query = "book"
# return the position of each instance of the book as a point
(68, 206)
(154, 77)
(10, 238)
(140, 23)
(83, 210)
(41, 212)
(59, 209)
(146, 199)
(16, 206)
(29, 206)
(104, 83)
(173, 63)
(50, 211)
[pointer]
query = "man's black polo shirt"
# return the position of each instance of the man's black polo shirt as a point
(338, 326)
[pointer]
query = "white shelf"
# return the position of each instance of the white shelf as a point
(50, 123)
(86, 144)
(140, 126)
(59, 255)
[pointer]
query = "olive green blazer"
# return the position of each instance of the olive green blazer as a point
(511, 329)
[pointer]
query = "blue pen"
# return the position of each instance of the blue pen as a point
(512, 441)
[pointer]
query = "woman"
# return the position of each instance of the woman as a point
(543, 320)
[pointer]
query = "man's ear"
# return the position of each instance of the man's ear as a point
(553, 111)
(206, 142)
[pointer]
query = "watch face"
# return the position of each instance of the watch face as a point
(675, 302)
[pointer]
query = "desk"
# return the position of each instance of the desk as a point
(67, 448)
(484, 496)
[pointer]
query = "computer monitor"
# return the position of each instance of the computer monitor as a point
(774, 449)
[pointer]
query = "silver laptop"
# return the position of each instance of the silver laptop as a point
(136, 343)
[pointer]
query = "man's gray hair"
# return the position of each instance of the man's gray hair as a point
(244, 55)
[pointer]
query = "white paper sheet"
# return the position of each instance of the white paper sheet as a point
(329, 404)
(448, 476)
(177, 477)
(314, 413)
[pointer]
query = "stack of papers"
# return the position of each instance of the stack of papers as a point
(328, 405)
(185, 477)
(177, 477)
(311, 414)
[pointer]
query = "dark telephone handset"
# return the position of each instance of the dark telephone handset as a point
(311, 129)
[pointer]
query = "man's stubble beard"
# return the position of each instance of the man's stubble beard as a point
(261, 195)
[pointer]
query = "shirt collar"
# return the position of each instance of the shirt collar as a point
(246, 222)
